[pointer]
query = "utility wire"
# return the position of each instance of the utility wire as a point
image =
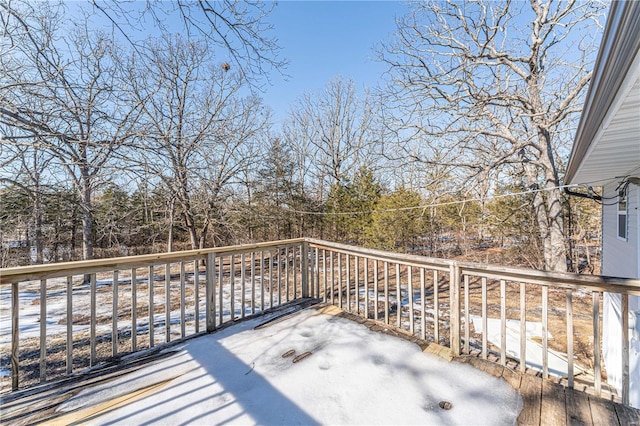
(426, 206)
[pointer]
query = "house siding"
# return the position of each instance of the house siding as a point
(621, 258)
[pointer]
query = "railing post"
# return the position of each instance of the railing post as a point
(211, 292)
(304, 268)
(312, 273)
(625, 348)
(454, 305)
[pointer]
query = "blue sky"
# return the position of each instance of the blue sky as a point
(326, 39)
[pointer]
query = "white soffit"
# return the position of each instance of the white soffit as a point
(615, 149)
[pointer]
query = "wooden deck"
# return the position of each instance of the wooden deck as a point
(545, 402)
(548, 403)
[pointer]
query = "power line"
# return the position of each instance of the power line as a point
(426, 206)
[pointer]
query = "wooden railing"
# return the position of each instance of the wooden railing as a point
(435, 299)
(117, 306)
(111, 307)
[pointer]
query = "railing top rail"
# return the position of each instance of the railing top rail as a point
(567, 280)
(558, 279)
(427, 262)
(53, 270)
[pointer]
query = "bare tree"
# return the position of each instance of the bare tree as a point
(196, 128)
(238, 31)
(496, 85)
(337, 129)
(59, 85)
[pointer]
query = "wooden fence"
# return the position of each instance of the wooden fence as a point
(110, 307)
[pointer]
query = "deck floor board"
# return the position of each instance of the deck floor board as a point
(554, 408)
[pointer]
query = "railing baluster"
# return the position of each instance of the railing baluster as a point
(436, 308)
(196, 295)
(366, 287)
(114, 313)
(523, 328)
(625, 348)
(310, 271)
(398, 298)
(286, 273)
(466, 314)
(93, 320)
(304, 270)
(569, 338)
(279, 277)
(243, 299)
(70, 322)
(210, 292)
(503, 323)
(253, 282)
(410, 296)
(134, 311)
(15, 335)
(597, 371)
(484, 318)
(303, 275)
(340, 280)
(151, 308)
(262, 280)
(348, 282)
(183, 328)
(333, 278)
(386, 292)
(220, 290)
(545, 332)
(232, 291)
(375, 289)
(316, 265)
(356, 295)
(271, 257)
(43, 330)
(423, 319)
(454, 305)
(167, 302)
(324, 274)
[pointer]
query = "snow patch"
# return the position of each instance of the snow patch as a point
(243, 375)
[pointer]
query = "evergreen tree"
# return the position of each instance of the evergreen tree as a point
(351, 206)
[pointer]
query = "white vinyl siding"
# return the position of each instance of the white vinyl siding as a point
(623, 207)
(620, 256)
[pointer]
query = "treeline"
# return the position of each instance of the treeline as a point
(361, 211)
(118, 143)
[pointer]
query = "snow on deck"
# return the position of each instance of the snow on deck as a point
(242, 375)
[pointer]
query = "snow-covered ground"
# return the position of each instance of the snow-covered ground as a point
(558, 365)
(243, 375)
(29, 306)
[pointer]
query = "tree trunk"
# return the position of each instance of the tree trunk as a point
(172, 211)
(558, 255)
(37, 211)
(558, 252)
(87, 217)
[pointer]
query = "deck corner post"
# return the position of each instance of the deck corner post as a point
(211, 292)
(304, 268)
(454, 304)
